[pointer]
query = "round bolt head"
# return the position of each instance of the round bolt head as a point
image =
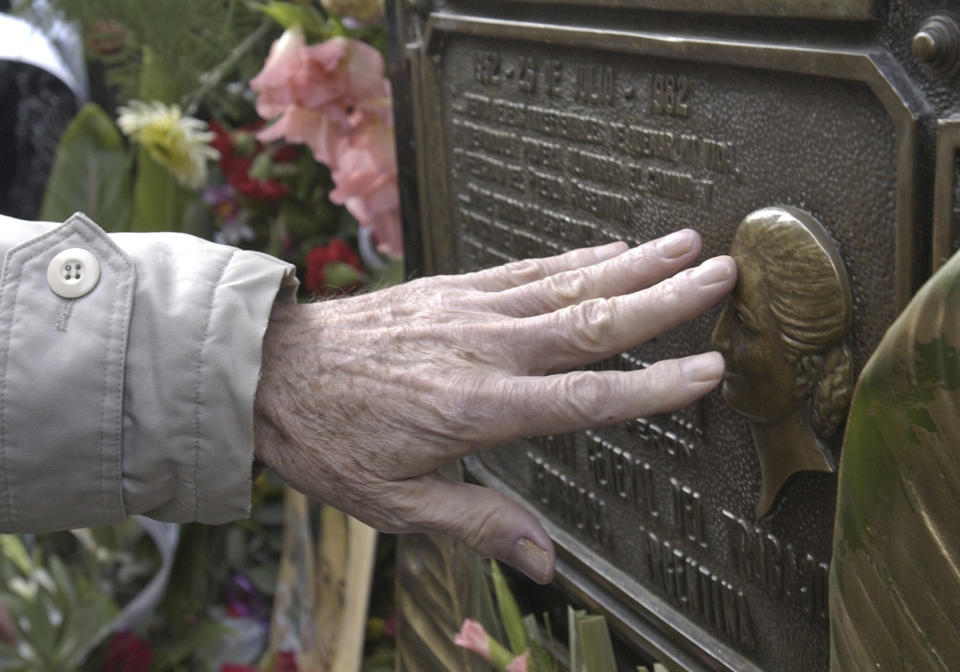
(924, 47)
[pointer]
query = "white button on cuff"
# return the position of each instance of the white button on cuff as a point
(73, 273)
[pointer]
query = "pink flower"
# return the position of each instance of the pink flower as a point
(365, 175)
(273, 82)
(333, 97)
(315, 90)
(473, 637)
(519, 664)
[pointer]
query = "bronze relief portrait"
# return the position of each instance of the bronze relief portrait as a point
(783, 334)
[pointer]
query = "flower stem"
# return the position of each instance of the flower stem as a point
(212, 79)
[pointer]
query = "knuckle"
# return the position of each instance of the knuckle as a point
(589, 394)
(591, 324)
(481, 533)
(523, 271)
(569, 286)
(402, 509)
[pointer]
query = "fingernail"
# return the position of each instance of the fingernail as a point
(712, 271)
(532, 560)
(705, 368)
(676, 244)
(609, 251)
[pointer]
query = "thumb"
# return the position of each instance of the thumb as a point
(491, 524)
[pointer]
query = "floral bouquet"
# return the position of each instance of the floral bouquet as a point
(292, 155)
(264, 124)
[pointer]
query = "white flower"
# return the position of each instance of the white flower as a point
(179, 143)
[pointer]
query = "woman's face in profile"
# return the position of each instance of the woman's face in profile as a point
(759, 382)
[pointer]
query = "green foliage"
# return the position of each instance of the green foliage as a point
(308, 17)
(91, 173)
(62, 614)
(596, 649)
(159, 202)
(187, 41)
(509, 611)
(589, 646)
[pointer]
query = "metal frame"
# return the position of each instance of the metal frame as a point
(846, 10)
(944, 227)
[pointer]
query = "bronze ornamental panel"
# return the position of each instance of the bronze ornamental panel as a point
(705, 539)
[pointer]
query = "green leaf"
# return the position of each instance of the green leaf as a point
(595, 645)
(573, 639)
(158, 80)
(482, 608)
(509, 611)
(289, 16)
(264, 578)
(894, 584)
(158, 201)
(204, 635)
(540, 659)
(198, 220)
(391, 274)
(91, 173)
(14, 550)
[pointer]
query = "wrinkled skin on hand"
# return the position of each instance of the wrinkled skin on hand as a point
(362, 399)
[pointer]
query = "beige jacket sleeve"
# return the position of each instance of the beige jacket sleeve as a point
(135, 397)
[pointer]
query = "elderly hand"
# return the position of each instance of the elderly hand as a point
(362, 399)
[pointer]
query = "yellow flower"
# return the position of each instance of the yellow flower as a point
(179, 143)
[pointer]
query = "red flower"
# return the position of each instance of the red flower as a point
(127, 653)
(236, 165)
(319, 257)
(285, 661)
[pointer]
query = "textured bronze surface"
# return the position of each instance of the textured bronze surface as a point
(783, 334)
(538, 131)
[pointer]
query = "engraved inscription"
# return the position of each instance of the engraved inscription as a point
(783, 572)
(619, 472)
(688, 513)
(698, 591)
(594, 84)
(669, 95)
(575, 505)
(561, 448)
(578, 172)
(486, 67)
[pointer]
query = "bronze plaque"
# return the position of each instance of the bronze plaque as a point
(704, 537)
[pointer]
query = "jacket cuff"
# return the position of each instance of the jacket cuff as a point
(193, 363)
